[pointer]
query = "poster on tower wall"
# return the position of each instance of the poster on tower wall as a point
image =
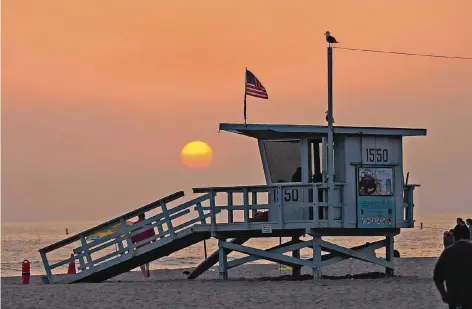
(376, 202)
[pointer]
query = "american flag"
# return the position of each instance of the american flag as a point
(254, 87)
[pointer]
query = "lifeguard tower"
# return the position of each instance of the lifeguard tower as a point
(366, 197)
(320, 181)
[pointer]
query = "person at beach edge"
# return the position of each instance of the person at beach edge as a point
(454, 268)
(461, 229)
(469, 224)
(140, 237)
(448, 238)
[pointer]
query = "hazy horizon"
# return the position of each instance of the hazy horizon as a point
(98, 98)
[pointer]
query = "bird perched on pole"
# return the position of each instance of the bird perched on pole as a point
(326, 113)
(330, 39)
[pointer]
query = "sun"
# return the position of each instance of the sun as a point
(196, 154)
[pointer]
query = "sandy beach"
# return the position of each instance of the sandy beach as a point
(250, 286)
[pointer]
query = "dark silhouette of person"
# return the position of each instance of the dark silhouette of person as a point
(297, 176)
(448, 238)
(462, 229)
(454, 268)
(469, 224)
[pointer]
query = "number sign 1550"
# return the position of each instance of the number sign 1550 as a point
(376, 155)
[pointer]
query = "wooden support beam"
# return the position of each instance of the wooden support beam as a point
(296, 270)
(354, 254)
(316, 257)
(212, 260)
(223, 260)
(332, 258)
(282, 248)
(389, 248)
(270, 256)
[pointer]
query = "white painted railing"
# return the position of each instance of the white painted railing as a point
(251, 195)
(97, 254)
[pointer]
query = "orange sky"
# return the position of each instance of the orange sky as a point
(98, 97)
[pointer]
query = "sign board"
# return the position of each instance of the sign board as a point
(289, 195)
(375, 198)
(376, 150)
(266, 228)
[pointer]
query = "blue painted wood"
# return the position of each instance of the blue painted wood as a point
(253, 202)
(271, 256)
(125, 233)
(330, 247)
(111, 242)
(316, 267)
(113, 260)
(86, 251)
(200, 213)
(283, 248)
(67, 261)
(222, 261)
(47, 268)
(368, 248)
(389, 249)
(277, 131)
(135, 227)
(212, 211)
(111, 222)
(246, 206)
(262, 188)
(230, 211)
(213, 259)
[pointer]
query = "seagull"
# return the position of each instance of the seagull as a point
(330, 39)
(327, 120)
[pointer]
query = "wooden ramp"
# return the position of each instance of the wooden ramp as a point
(183, 239)
(113, 251)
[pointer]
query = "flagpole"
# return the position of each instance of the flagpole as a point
(245, 87)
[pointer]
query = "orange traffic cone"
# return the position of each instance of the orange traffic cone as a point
(71, 270)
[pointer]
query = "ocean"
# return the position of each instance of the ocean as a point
(21, 241)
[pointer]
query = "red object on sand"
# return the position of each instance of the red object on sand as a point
(25, 272)
(71, 269)
(143, 235)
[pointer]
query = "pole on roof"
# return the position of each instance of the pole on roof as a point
(330, 159)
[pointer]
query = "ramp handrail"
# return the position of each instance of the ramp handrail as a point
(124, 233)
(113, 221)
